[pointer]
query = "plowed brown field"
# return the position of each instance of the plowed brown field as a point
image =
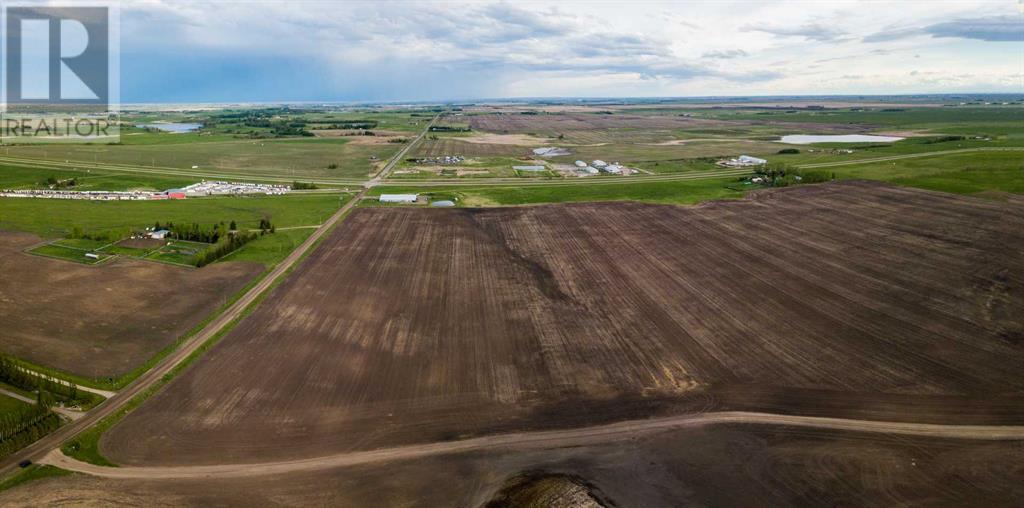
(707, 466)
(104, 320)
(849, 299)
(591, 125)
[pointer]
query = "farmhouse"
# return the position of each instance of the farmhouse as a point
(159, 234)
(398, 198)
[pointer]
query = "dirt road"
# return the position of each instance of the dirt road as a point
(538, 440)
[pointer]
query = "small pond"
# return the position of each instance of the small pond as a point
(806, 139)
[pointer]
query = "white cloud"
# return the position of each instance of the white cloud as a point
(410, 49)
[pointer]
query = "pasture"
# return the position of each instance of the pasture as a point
(253, 158)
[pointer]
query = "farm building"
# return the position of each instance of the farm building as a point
(752, 161)
(599, 164)
(743, 161)
(398, 198)
(443, 203)
(581, 164)
(529, 168)
(90, 255)
(159, 234)
(175, 193)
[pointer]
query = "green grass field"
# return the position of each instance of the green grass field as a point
(964, 173)
(68, 253)
(53, 218)
(969, 173)
(10, 404)
(32, 473)
(21, 177)
(286, 158)
(675, 192)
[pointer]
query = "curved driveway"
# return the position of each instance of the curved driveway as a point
(550, 439)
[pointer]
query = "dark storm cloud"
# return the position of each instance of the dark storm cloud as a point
(990, 28)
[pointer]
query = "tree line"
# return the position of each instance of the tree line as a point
(226, 246)
(25, 426)
(449, 128)
(780, 175)
(15, 375)
(196, 232)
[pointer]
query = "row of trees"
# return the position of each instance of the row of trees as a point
(108, 235)
(780, 175)
(13, 374)
(228, 244)
(25, 426)
(354, 124)
(195, 232)
(449, 128)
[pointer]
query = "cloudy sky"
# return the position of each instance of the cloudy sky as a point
(294, 50)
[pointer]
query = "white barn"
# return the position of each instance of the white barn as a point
(398, 198)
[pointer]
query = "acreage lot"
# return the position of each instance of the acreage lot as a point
(850, 299)
(104, 320)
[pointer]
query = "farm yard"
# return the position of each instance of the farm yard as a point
(430, 325)
(91, 252)
(108, 319)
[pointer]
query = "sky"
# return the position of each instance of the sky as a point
(301, 50)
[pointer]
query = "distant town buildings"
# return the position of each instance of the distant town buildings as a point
(446, 160)
(194, 190)
(222, 188)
